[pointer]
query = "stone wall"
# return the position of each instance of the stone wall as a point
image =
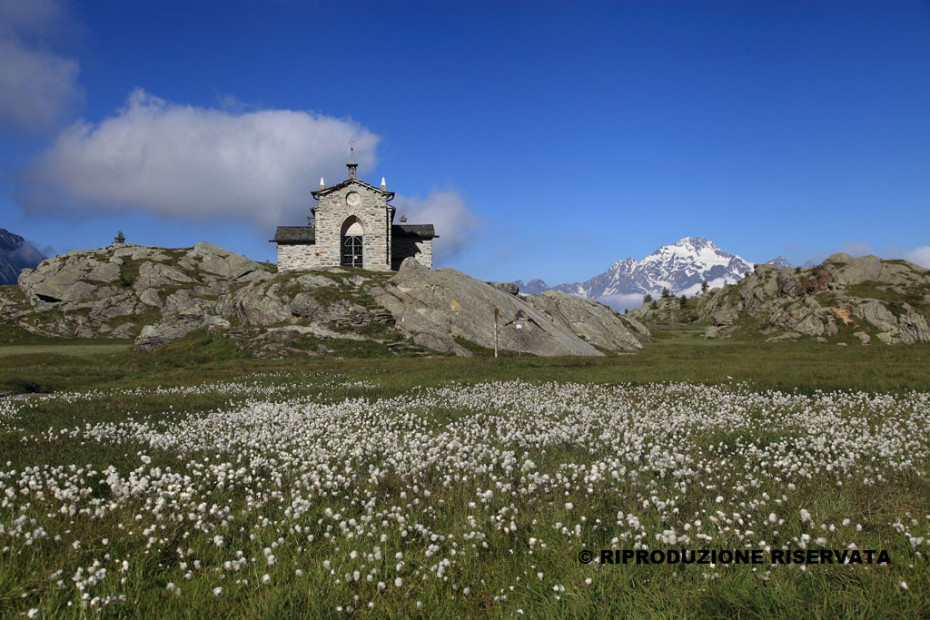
(405, 247)
(297, 257)
(372, 212)
(426, 252)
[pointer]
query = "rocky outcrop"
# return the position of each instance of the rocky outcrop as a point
(850, 299)
(256, 303)
(159, 295)
(592, 322)
(507, 287)
(175, 327)
(438, 307)
(213, 259)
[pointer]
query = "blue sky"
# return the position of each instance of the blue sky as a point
(544, 139)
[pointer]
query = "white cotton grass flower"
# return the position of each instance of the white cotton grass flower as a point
(335, 457)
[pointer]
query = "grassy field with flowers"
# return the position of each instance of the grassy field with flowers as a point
(195, 481)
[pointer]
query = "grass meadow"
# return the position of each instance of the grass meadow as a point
(196, 481)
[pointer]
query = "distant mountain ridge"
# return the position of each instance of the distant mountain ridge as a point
(779, 261)
(681, 267)
(16, 254)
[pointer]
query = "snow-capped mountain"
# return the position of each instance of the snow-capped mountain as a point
(780, 262)
(16, 254)
(533, 287)
(681, 267)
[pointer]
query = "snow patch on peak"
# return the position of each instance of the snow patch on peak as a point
(624, 261)
(681, 267)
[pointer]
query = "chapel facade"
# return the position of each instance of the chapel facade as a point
(353, 226)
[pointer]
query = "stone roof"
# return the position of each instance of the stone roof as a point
(289, 235)
(294, 234)
(423, 231)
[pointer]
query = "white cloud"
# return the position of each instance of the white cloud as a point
(30, 16)
(920, 256)
(38, 86)
(857, 248)
(454, 222)
(188, 162)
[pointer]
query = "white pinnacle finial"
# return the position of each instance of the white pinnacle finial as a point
(383, 184)
(322, 183)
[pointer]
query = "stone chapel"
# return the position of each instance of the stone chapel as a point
(353, 226)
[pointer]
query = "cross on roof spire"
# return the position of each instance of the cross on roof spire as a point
(352, 165)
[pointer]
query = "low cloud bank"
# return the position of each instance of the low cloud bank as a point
(455, 223)
(920, 256)
(195, 163)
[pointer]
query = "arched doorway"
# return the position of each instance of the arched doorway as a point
(353, 236)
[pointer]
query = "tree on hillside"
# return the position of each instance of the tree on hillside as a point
(666, 293)
(120, 237)
(704, 286)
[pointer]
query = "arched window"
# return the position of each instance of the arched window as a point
(352, 243)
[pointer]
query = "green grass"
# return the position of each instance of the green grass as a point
(38, 364)
(675, 355)
(78, 348)
(129, 271)
(913, 296)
